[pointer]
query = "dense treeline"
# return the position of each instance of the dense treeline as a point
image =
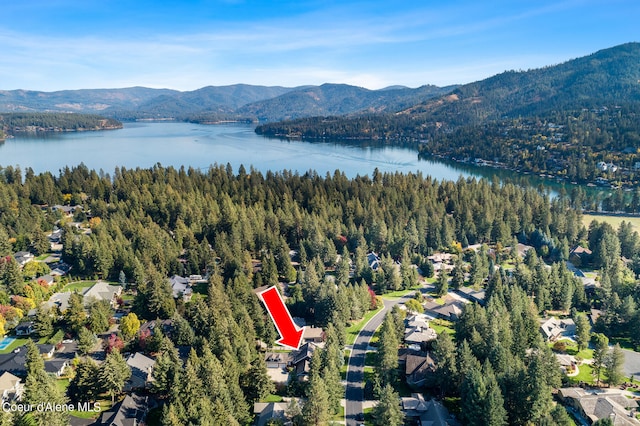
(40, 121)
(244, 228)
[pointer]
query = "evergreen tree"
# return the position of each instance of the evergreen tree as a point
(387, 411)
(442, 284)
(114, 372)
(613, 364)
(86, 341)
(601, 343)
(583, 331)
(84, 386)
(388, 351)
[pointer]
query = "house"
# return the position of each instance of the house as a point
(102, 290)
(55, 236)
(181, 287)
(23, 257)
(373, 260)
(596, 405)
(277, 363)
(554, 328)
(568, 363)
(472, 295)
(141, 369)
(46, 350)
(301, 360)
(65, 210)
(131, 411)
(11, 387)
(450, 311)
(14, 362)
(56, 367)
(47, 280)
(419, 412)
(59, 301)
(418, 368)
(579, 255)
(417, 330)
(25, 328)
(313, 334)
(266, 411)
(277, 359)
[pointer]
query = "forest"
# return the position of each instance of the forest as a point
(12, 123)
(243, 228)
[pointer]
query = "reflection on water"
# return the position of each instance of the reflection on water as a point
(199, 146)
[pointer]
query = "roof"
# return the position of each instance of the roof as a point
(24, 325)
(141, 365)
(14, 362)
(313, 333)
(419, 364)
(266, 411)
(419, 335)
(133, 407)
(431, 412)
(8, 381)
(580, 250)
(304, 353)
(102, 290)
(45, 349)
(278, 357)
(598, 405)
(554, 327)
(55, 365)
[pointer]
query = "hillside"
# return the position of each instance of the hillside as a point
(561, 120)
(338, 99)
(215, 103)
(26, 122)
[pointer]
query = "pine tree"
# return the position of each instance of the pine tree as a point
(613, 364)
(86, 341)
(317, 407)
(39, 388)
(442, 284)
(583, 330)
(445, 354)
(601, 343)
(387, 411)
(388, 351)
(114, 372)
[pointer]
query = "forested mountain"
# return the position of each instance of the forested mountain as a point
(19, 122)
(85, 100)
(338, 99)
(215, 103)
(562, 120)
(606, 77)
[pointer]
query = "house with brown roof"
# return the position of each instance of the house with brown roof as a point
(418, 369)
(313, 334)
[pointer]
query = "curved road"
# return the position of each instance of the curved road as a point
(355, 370)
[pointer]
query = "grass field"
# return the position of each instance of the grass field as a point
(354, 329)
(614, 221)
(78, 285)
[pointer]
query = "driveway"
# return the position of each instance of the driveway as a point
(355, 370)
(631, 363)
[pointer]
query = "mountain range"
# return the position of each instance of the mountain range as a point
(608, 77)
(212, 103)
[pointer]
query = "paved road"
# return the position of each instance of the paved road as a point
(631, 364)
(355, 371)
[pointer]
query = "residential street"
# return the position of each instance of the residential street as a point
(355, 372)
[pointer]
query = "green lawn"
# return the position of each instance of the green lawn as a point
(440, 325)
(345, 364)
(78, 285)
(273, 398)
(585, 375)
(62, 384)
(16, 343)
(43, 256)
(401, 293)
(101, 405)
(354, 329)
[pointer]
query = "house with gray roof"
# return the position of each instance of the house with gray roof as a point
(141, 371)
(131, 411)
(553, 328)
(598, 404)
(181, 287)
(426, 413)
(11, 387)
(102, 290)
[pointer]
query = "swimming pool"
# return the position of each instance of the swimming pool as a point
(4, 343)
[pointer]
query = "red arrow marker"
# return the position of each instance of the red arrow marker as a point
(291, 336)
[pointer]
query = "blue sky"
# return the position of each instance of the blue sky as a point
(184, 45)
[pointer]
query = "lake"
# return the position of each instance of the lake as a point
(144, 144)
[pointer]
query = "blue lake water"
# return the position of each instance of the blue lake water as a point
(144, 144)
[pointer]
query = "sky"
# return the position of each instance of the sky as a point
(53, 45)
